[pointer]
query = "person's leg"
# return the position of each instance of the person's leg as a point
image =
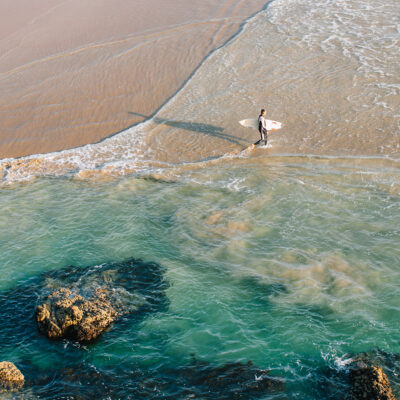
(256, 143)
(264, 136)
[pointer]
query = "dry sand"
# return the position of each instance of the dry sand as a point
(73, 72)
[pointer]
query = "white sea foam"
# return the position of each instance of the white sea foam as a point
(328, 69)
(368, 30)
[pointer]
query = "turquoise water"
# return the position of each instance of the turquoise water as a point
(292, 263)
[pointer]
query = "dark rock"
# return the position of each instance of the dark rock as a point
(195, 380)
(10, 376)
(356, 374)
(389, 361)
(233, 380)
(368, 382)
(131, 285)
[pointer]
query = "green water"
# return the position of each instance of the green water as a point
(290, 263)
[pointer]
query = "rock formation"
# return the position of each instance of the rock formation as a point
(69, 315)
(10, 376)
(193, 380)
(79, 304)
(369, 382)
(232, 380)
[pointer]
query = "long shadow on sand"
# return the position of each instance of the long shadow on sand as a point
(205, 129)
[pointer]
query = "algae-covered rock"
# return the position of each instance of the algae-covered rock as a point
(10, 376)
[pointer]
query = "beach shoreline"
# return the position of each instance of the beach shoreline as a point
(75, 74)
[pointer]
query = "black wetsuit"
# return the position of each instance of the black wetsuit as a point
(263, 133)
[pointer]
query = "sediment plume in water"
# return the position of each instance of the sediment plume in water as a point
(191, 379)
(290, 264)
(287, 256)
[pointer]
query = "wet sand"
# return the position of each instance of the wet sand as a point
(72, 73)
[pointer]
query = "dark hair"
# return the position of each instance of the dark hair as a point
(262, 110)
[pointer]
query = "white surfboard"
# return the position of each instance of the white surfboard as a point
(253, 123)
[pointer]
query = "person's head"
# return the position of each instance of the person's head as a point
(262, 112)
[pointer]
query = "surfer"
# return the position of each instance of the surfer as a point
(262, 128)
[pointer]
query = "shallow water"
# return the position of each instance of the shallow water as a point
(328, 71)
(74, 72)
(286, 256)
(289, 262)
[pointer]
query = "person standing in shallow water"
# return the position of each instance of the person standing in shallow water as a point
(262, 128)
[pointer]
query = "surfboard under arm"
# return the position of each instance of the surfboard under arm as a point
(253, 123)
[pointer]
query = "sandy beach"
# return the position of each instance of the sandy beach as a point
(73, 72)
(168, 259)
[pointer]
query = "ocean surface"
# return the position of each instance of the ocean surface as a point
(286, 256)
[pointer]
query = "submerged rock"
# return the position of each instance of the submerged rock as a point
(10, 376)
(68, 315)
(195, 380)
(135, 289)
(89, 300)
(233, 380)
(359, 376)
(369, 382)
